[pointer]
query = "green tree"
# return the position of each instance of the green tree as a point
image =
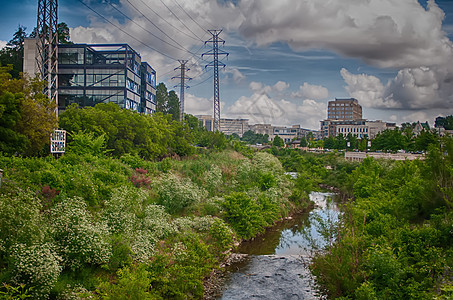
(340, 142)
(353, 141)
(27, 117)
(13, 53)
(63, 33)
(278, 142)
(424, 139)
(173, 105)
(303, 142)
(444, 122)
(391, 140)
(329, 143)
(161, 97)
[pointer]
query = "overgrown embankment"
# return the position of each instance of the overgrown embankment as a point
(95, 227)
(395, 238)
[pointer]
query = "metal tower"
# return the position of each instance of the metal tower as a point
(215, 52)
(47, 46)
(182, 77)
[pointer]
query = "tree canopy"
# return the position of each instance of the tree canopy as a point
(27, 117)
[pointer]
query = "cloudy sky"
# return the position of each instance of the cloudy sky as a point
(287, 58)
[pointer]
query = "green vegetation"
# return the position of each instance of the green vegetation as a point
(27, 117)
(394, 240)
(89, 225)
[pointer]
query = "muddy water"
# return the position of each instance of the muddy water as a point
(277, 263)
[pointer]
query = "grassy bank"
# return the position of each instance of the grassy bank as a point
(395, 238)
(95, 227)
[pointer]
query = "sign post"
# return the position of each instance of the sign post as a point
(58, 141)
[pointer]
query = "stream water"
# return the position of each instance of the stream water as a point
(277, 263)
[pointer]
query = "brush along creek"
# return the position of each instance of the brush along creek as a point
(274, 265)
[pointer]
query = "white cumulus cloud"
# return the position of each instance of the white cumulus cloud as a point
(309, 91)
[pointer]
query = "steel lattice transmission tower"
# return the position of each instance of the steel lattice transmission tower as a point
(215, 52)
(47, 46)
(182, 77)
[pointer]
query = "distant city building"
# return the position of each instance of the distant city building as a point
(240, 126)
(206, 121)
(262, 129)
(92, 74)
(344, 109)
(230, 126)
(288, 134)
(344, 116)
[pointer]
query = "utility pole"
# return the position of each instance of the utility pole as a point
(182, 77)
(47, 46)
(215, 52)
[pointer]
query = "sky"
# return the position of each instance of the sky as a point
(287, 58)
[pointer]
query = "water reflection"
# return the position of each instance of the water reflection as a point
(277, 266)
(300, 235)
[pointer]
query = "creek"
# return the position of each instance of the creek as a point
(276, 262)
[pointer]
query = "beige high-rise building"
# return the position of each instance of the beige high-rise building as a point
(344, 110)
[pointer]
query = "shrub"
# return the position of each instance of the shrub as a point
(244, 214)
(38, 266)
(79, 238)
(132, 283)
(176, 193)
(20, 221)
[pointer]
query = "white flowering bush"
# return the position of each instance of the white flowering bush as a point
(266, 162)
(140, 225)
(20, 220)
(213, 178)
(177, 193)
(78, 237)
(158, 221)
(38, 266)
(122, 208)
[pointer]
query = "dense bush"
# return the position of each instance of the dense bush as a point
(128, 226)
(393, 241)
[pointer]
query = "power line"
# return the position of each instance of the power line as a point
(165, 20)
(164, 41)
(180, 20)
(189, 15)
(158, 27)
(194, 85)
(122, 30)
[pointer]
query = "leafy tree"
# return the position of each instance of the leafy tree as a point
(13, 53)
(303, 142)
(63, 33)
(252, 138)
(444, 122)
(173, 105)
(329, 143)
(424, 139)
(363, 144)
(278, 142)
(127, 131)
(161, 97)
(27, 117)
(390, 140)
(192, 122)
(340, 141)
(353, 141)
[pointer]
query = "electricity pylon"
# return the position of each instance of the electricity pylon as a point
(182, 77)
(47, 46)
(215, 52)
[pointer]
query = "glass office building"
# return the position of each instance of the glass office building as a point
(92, 74)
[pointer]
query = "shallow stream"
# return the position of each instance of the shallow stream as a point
(277, 263)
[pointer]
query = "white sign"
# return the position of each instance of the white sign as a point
(58, 141)
(369, 143)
